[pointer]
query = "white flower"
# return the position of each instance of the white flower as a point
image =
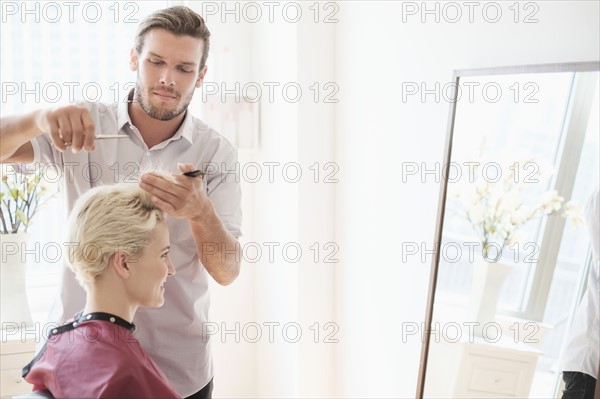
(551, 202)
(519, 216)
(516, 236)
(573, 211)
(476, 214)
(506, 225)
(496, 211)
(482, 188)
(509, 201)
(22, 195)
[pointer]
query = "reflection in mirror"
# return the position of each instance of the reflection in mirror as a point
(514, 253)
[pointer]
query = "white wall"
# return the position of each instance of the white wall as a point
(279, 292)
(369, 134)
(376, 132)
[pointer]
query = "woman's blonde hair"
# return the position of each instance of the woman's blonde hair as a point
(107, 219)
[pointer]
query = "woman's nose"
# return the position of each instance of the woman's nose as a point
(170, 268)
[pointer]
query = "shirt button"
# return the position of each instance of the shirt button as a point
(148, 153)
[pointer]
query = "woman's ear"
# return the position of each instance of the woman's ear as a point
(119, 263)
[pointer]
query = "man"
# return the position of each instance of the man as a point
(582, 354)
(169, 56)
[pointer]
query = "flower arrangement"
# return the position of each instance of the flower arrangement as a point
(21, 197)
(498, 209)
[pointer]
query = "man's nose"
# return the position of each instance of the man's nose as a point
(166, 77)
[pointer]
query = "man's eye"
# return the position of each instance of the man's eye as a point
(186, 70)
(155, 62)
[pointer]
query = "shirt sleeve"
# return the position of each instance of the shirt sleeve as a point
(225, 193)
(45, 157)
(44, 152)
(592, 216)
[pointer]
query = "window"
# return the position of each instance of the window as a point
(53, 55)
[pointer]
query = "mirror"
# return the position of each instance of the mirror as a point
(511, 264)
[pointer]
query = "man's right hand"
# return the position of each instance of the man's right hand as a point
(70, 126)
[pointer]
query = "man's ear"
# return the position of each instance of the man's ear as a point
(201, 76)
(133, 60)
(119, 263)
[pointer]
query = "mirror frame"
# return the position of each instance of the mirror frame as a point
(587, 66)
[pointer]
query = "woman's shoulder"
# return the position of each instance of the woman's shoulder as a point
(104, 335)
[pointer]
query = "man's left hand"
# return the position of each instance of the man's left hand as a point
(183, 198)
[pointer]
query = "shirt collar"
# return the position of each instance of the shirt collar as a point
(123, 111)
(185, 130)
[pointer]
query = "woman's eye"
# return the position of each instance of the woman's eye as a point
(155, 62)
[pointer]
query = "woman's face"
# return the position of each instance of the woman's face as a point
(150, 269)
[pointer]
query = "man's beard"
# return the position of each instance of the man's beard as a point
(156, 113)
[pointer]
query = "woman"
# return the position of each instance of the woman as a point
(118, 249)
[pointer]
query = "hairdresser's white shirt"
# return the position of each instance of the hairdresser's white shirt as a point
(581, 353)
(173, 334)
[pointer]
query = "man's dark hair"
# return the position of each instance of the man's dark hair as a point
(178, 20)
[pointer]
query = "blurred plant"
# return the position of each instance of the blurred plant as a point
(21, 197)
(497, 209)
